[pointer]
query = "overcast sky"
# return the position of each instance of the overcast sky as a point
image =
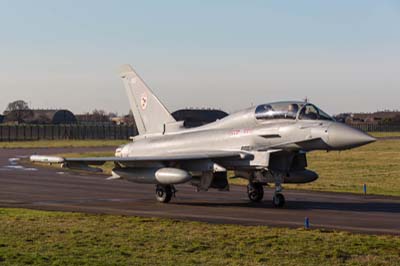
(343, 55)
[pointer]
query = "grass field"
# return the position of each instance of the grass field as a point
(385, 134)
(62, 143)
(53, 238)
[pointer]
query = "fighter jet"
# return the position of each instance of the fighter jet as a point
(265, 144)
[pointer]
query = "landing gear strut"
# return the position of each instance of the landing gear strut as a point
(278, 199)
(255, 191)
(164, 193)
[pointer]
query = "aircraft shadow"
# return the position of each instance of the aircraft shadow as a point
(388, 207)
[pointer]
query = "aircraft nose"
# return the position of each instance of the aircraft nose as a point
(343, 137)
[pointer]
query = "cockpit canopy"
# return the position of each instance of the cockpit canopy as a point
(290, 110)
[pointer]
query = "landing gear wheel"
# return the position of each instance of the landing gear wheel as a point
(278, 200)
(255, 191)
(164, 193)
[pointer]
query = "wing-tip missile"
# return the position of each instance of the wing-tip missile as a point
(46, 159)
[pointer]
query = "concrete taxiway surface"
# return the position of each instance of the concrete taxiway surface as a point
(54, 189)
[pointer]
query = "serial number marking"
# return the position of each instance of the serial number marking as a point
(244, 131)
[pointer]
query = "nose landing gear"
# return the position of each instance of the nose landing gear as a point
(278, 200)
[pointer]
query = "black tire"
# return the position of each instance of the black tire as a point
(278, 200)
(163, 193)
(255, 192)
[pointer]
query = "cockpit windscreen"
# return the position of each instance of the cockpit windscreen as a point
(290, 110)
(311, 112)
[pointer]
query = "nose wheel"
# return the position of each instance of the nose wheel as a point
(278, 200)
(164, 193)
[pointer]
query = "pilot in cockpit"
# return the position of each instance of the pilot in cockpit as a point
(266, 108)
(293, 109)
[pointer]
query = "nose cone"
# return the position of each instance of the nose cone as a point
(341, 137)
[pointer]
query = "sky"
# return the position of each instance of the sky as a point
(342, 55)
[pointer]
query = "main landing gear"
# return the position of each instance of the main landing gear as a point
(164, 193)
(255, 192)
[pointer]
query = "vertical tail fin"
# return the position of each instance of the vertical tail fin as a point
(149, 113)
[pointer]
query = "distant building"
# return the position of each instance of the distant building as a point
(93, 119)
(40, 117)
(198, 117)
(342, 117)
(1, 118)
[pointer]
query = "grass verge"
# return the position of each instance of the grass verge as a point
(385, 134)
(52, 238)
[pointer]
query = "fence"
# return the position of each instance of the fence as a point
(376, 127)
(58, 132)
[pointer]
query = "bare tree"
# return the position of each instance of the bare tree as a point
(17, 106)
(17, 111)
(129, 119)
(100, 116)
(112, 115)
